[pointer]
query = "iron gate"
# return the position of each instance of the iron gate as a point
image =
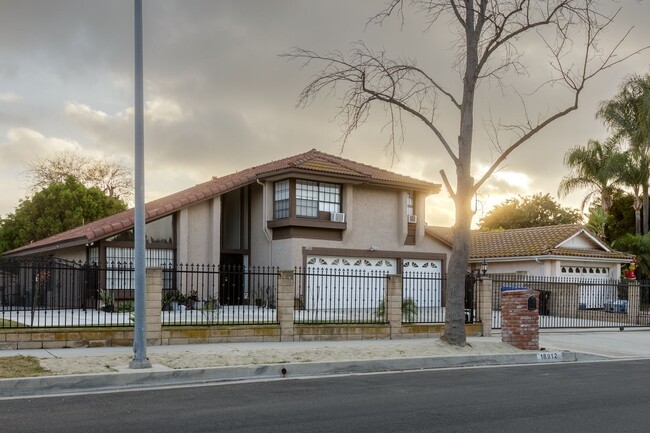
(580, 302)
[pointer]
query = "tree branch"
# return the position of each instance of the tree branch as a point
(371, 77)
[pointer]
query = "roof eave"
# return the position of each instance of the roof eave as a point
(541, 258)
(429, 188)
(26, 250)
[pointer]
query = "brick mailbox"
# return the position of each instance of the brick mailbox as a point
(520, 317)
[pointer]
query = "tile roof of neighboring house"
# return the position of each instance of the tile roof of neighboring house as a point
(311, 161)
(527, 242)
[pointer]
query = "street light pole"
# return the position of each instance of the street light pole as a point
(140, 359)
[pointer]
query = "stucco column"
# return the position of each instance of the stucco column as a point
(286, 304)
(153, 305)
(394, 305)
(485, 305)
(633, 302)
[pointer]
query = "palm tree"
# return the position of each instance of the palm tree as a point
(595, 167)
(597, 221)
(627, 114)
(635, 172)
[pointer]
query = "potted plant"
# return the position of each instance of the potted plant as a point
(210, 306)
(409, 310)
(170, 300)
(108, 301)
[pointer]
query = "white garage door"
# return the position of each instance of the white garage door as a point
(596, 291)
(422, 282)
(346, 282)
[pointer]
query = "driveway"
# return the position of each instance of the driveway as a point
(633, 343)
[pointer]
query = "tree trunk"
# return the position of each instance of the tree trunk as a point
(457, 270)
(458, 260)
(646, 205)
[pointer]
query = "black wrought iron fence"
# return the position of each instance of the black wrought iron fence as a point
(339, 296)
(210, 294)
(349, 296)
(644, 296)
(48, 292)
(577, 302)
(422, 297)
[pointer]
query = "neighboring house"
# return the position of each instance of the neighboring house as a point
(567, 250)
(312, 210)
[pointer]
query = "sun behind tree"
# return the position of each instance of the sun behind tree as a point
(520, 212)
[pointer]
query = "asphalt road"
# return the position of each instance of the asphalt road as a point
(585, 397)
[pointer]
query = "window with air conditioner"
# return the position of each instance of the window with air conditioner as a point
(410, 209)
(310, 199)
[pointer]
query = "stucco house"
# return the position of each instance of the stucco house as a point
(568, 250)
(309, 210)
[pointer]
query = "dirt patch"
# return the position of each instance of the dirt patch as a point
(21, 366)
(220, 356)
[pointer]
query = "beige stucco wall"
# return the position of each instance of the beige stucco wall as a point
(581, 241)
(76, 254)
(198, 228)
(527, 267)
(375, 217)
(260, 239)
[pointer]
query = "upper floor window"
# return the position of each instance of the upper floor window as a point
(409, 204)
(311, 197)
(281, 200)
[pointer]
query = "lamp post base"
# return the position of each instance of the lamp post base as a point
(135, 364)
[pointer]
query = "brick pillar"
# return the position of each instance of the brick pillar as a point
(286, 295)
(519, 325)
(633, 302)
(485, 305)
(153, 306)
(394, 305)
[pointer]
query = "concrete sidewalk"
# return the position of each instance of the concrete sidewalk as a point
(187, 364)
(630, 343)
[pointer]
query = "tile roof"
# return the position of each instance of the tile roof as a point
(311, 161)
(527, 242)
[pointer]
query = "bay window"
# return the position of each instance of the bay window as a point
(305, 198)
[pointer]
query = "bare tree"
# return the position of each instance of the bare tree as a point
(490, 35)
(110, 176)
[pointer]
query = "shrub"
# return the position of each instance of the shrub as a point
(409, 310)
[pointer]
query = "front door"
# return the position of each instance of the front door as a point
(231, 279)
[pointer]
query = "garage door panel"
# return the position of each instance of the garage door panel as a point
(422, 282)
(346, 282)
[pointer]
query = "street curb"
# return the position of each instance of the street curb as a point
(151, 378)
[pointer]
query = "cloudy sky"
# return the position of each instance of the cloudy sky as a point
(220, 99)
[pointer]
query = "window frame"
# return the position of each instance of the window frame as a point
(306, 198)
(285, 201)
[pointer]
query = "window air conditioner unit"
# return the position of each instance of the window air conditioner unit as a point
(413, 219)
(338, 217)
